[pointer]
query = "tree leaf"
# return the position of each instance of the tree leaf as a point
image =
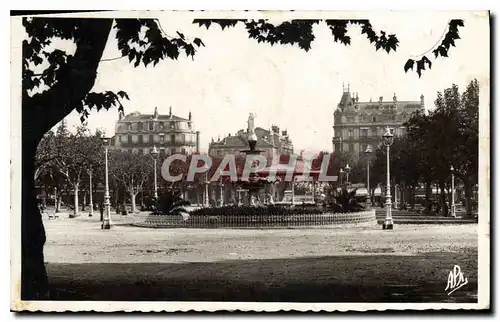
(198, 42)
(409, 65)
(122, 94)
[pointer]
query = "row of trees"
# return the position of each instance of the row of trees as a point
(446, 137)
(65, 161)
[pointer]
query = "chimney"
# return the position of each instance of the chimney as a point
(120, 115)
(380, 99)
(189, 115)
(197, 141)
(170, 111)
(394, 98)
(156, 113)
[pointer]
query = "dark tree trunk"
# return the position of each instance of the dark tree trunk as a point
(428, 192)
(442, 199)
(40, 113)
(34, 282)
(412, 197)
(468, 196)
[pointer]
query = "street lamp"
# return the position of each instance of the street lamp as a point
(388, 140)
(396, 189)
(106, 223)
(154, 154)
(91, 213)
(347, 170)
(221, 190)
(341, 175)
(206, 201)
(368, 153)
(453, 214)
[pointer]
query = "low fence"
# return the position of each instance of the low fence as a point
(234, 221)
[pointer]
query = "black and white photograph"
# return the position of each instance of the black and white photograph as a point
(250, 160)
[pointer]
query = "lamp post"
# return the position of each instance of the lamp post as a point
(347, 170)
(154, 154)
(396, 188)
(388, 140)
(341, 175)
(221, 191)
(206, 201)
(106, 223)
(368, 152)
(453, 214)
(91, 212)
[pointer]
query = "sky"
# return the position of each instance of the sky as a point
(233, 75)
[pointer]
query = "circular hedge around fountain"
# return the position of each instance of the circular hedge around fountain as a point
(259, 217)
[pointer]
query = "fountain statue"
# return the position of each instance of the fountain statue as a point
(254, 183)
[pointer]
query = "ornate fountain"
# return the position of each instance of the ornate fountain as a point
(255, 183)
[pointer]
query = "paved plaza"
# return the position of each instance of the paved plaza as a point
(410, 263)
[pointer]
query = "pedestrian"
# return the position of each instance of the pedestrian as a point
(101, 210)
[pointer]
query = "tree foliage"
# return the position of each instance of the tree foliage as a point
(131, 170)
(442, 49)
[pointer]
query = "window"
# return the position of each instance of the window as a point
(172, 138)
(364, 133)
(129, 126)
(140, 138)
(350, 133)
(351, 147)
(162, 125)
(374, 131)
(172, 125)
(189, 126)
(374, 119)
(151, 138)
(162, 138)
(151, 126)
(339, 133)
(129, 139)
(139, 126)
(183, 150)
(393, 117)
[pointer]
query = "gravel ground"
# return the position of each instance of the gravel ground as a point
(81, 240)
(363, 264)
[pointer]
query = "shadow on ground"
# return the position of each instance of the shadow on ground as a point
(366, 278)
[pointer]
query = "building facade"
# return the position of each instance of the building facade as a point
(358, 125)
(169, 133)
(271, 141)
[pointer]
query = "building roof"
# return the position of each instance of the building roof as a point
(136, 116)
(350, 104)
(239, 141)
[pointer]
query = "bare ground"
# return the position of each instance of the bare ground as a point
(410, 263)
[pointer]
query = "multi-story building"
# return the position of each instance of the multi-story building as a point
(358, 125)
(271, 142)
(169, 133)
